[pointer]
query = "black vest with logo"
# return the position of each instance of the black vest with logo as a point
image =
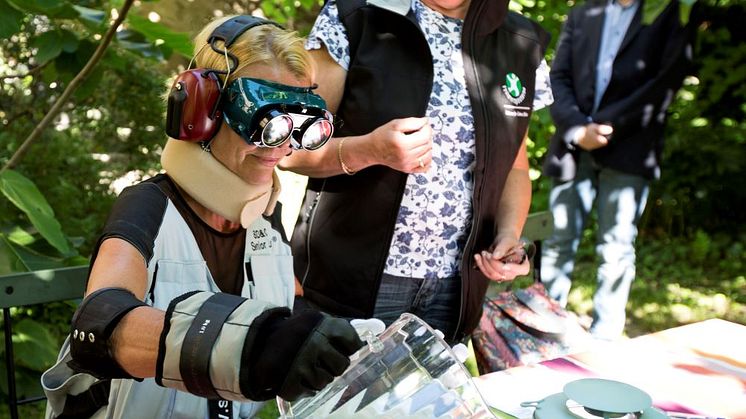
(344, 230)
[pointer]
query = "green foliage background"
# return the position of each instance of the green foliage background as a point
(691, 247)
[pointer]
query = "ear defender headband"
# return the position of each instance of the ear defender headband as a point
(193, 112)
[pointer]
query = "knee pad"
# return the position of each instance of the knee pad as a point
(92, 326)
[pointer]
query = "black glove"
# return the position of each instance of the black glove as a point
(296, 356)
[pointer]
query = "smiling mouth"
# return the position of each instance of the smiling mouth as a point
(268, 161)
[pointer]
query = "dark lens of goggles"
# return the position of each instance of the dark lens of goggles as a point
(315, 133)
(274, 128)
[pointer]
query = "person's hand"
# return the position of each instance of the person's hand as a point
(593, 136)
(404, 144)
(302, 353)
(504, 260)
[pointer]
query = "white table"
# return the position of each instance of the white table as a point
(697, 369)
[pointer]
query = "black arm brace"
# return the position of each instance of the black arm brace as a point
(92, 325)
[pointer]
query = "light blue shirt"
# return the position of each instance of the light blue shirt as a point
(616, 23)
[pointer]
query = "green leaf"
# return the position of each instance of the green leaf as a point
(67, 65)
(67, 11)
(52, 8)
(10, 20)
(17, 258)
(90, 84)
(145, 49)
(34, 346)
(27, 381)
(70, 41)
(49, 73)
(652, 9)
(9, 260)
(91, 16)
(26, 196)
(685, 10)
(49, 46)
(22, 6)
(270, 10)
(77, 260)
(20, 236)
(116, 60)
(136, 42)
(157, 32)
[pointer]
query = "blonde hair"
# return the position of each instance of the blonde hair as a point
(263, 44)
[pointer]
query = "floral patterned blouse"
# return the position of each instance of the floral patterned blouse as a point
(435, 213)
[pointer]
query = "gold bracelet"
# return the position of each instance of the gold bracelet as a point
(345, 169)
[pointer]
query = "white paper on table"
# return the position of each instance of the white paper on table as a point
(506, 390)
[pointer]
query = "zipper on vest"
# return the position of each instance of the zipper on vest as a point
(466, 259)
(311, 217)
(403, 184)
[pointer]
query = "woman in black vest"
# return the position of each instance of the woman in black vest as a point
(403, 211)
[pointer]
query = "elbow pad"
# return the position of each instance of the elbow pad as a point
(92, 326)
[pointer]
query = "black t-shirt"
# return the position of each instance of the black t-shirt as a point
(137, 215)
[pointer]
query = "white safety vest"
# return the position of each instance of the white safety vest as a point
(177, 267)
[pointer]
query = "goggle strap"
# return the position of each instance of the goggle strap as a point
(231, 62)
(229, 59)
(191, 62)
(235, 61)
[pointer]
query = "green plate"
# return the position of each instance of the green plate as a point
(608, 395)
(553, 407)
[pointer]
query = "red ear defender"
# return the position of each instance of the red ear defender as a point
(193, 113)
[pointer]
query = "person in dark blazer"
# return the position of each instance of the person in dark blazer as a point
(613, 78)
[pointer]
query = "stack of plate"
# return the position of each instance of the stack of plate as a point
(594, 398)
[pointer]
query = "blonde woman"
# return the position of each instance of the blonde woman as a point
(186, 310)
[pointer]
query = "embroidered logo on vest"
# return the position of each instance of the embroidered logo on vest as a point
(515, 92)
(513, 89)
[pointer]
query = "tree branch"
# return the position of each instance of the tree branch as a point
(74, 83)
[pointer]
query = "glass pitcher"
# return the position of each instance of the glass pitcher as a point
(408, 371)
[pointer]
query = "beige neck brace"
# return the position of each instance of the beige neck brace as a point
(214, 186)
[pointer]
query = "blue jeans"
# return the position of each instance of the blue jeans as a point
(620, 201)
(437, 301)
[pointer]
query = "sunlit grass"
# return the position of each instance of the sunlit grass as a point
(670, 290)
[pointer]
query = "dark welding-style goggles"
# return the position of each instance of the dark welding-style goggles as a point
(267, 114)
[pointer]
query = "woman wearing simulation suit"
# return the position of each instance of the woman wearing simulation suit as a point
(186, 309)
